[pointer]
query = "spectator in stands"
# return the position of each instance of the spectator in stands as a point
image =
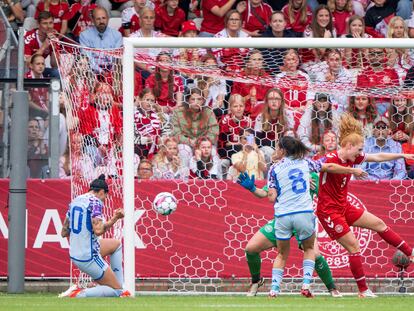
(298, 16)
(29, 6)
(230, 126)
(147, 125)
(100, 36)
(64, 165)
(356, 58)
(205, 164)
(213, 16)
(37, 152)
(79, 17)
(167, 87)
(38, 97)
(13, 10)
(401, 118)
(362, 108)
(167, 163)
(378, 76)
(255, 15)
(273, 122)
(231, 58)
(37, 41)
(399, 59)
(317, 119)
(295, 93)
(250, 159)
(341, 12)
(114, 7)
(59, 10)
(130, 18)
(253, 93)
(408, 147)
(321, 27)
(100, 124)
(340, 77)
(273, 58)
(380, 142)
(408, 86)
(410, 24)
(379, 15)
(169, 18)
(145, 170)
(192, 121)
(329, 144)
(213, 88)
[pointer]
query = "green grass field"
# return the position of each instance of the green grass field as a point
(46, 302)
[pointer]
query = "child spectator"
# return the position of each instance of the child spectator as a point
(401, 118)
(145, 170)
(169, 18)
(356, 58)
(329, 144)
(38, 97)
(205, 164)
(362, 108)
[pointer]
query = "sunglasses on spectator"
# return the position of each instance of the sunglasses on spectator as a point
(381, 127)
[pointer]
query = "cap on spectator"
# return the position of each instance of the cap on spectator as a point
(322, 97)
(188, 26)
(99, 184)
(381, 119)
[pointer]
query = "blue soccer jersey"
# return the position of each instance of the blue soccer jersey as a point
(83, 243)
(290, 178)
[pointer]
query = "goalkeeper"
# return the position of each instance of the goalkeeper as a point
(264, 239)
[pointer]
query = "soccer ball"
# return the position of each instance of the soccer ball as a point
(164, 203)
(400, 260)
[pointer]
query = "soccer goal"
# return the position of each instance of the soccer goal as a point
(123, 106)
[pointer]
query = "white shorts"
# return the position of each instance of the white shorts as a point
(95, 267)
(303, 223)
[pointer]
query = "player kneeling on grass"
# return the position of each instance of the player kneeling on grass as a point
(265, 239)
(83, 224)
(289, 183)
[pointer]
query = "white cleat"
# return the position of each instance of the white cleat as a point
(335, 293)
(254, 287)
(69, 291)
(367, 294)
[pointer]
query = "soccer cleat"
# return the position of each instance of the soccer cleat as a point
(307, 293)
(367, 294)
(69, 291)
(335, 293)
(273, 294)
(125, 294)
(254, 287)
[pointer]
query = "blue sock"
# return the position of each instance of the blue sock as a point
(116, 265)
(277, 276)
(99, 291)
(308, 267)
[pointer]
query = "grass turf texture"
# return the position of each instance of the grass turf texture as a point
(46, 302)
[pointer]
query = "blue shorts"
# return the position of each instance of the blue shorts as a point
(303, 223)
(95, 267)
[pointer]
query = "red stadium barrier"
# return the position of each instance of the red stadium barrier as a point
(207, 233)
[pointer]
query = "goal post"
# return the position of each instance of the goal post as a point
(128, 102)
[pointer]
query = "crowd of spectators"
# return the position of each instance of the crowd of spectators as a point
(206, 126)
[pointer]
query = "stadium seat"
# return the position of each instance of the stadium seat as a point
(198, 22)
(115, 22)
(29, 23)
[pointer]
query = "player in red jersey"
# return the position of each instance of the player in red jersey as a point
(336, 214)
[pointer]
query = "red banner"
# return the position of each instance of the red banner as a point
(207, 234)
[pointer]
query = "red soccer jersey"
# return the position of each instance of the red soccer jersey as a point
(333, 188)
(212, 23)
(163, 99)
(230, 129)
(340, 21)
(84, 20)
(32, 44)
(295, 91)
(387, 77)
(59, 12)
(40, 96)
(169, 25)
(297, 26)
(131, 17)
(250, 20)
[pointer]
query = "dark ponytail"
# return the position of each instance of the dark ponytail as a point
(99, 184)
(293, 147)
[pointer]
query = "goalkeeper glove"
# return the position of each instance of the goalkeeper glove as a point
(247, 182)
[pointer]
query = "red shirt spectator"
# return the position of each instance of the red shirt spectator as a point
(169, 18)
(294, 19)
(130, 21)
(163, 98)
(38, 96)
(59, 11)
(256, 17)
(82, 14)
(340, 19)
(214, 22)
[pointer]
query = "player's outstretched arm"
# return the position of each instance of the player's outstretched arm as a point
(99, 227)
(247, 183)
(65, 229)
(382, 157)
(338, 169)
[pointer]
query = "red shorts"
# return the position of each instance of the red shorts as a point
(337, 223)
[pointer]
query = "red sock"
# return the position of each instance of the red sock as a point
(395, 240)
(357, 270)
